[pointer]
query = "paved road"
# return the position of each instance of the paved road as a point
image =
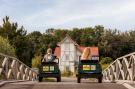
(67, 83)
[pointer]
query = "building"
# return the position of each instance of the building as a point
(68, 52)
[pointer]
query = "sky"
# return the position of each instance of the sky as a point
(39, 15)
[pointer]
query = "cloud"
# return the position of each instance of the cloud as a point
(70, 13)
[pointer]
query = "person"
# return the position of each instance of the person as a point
(86, 55)
(49, 57)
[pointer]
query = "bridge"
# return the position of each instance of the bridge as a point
(120, 74)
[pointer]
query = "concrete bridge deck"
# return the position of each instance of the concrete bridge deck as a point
(67, 83)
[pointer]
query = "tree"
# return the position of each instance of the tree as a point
(76, 34)
(60, 34)
(111, 43)
(24, 50)
(36, 61)
(6, 48)
(50, 31)
(17, 38)
(10, 30)
(35, 38)
(48, 41)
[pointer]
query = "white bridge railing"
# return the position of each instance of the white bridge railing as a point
(13, 69)
(122, 68)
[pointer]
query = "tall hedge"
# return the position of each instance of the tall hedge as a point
(5, 47)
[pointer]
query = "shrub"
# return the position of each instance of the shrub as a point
(67, 73)
(106, 60)
(6, 48)
(36, 61)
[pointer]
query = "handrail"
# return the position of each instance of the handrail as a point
(13, 68)
(123, 68)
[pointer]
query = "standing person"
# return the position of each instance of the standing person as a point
(49, 57)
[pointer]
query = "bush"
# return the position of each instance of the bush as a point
(36, 61)
(6, 48)
(67, 73)
(106, 60)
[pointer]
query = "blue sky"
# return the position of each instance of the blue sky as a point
(42, 14)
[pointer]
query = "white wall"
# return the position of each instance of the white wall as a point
(68, 55)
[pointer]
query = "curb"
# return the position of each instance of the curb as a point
(128, 86)
(125, 84)
(2, 83)
(6, 82)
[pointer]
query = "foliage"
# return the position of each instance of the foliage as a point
(36, 61)
(10, 30)
(5, 47)
(111, 42)
(48, 41)
(60, 34)
(104, 66)
(17, 38)
(106, 60)
(35, 39)
(24, 50)
(67, 73)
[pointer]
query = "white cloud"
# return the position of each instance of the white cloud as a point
(70, 13)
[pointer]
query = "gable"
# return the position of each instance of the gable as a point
(67, 39)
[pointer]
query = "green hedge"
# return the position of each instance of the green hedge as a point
(6, 48)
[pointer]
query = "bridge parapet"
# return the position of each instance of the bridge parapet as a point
(13, 69)
(122, 68)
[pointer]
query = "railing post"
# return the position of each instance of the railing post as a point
(117, 70)
(18, 71)
(133, 67)
(21, 71)
(30, 75)
(26, 73)
(6, 69)
(13, 68)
